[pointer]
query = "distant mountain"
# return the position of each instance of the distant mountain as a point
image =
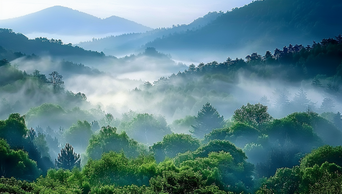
(259, 26)
(66, 21)
(134, 42)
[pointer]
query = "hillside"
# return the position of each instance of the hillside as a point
(129, 43)
(206, 150)
(292, 79)
(259, 26)
(66, 21)
(44, 47)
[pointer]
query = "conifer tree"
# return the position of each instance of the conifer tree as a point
(68, 159)
(207, 119)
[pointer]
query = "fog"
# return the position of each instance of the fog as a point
(150, 94)
(145, 98)
(235, 101)
(116, 91)
(73, 39)
(118, 85)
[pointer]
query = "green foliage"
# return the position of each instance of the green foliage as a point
(192, 176)
(115, 168)
(217, 134)
(217, 146)
(12, 185)
(319, 172)
(327, 183)
(284, 181)
(78, 135)
(255, 115)
(220, 162)
(13, 130)
(207, 119)
(16, 163)
(174, 144)
(324, 178)
(294, 129)
(59, 181)
(287, 140)
(109, 140)
(323, 154)
(185, 181)
(322, 127)
(110, 189)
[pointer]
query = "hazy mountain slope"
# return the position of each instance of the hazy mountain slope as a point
(259, 26)
(62, 20)
(293, 79)
(52, 55)
(128, 43)
(43, 47)
(31, 63)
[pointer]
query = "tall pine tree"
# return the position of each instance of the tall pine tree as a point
(68, 159)
(207, 119)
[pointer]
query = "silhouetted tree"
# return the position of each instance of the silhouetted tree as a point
(109, 118)
(56, 80)
(300, 102)
(95, 125)
(207, 119)
(327, 105)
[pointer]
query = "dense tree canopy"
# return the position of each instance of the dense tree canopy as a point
(16, 164)
(109, 140)
(254, 115)
(174, 144)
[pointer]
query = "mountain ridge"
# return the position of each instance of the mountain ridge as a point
(265, 24)
(53, 20)
(256, 27)
(134, 42)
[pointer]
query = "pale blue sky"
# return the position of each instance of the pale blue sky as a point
(152, 13)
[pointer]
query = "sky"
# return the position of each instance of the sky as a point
(152, 13)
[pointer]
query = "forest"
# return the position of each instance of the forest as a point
(181, 109)
(201, 130)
